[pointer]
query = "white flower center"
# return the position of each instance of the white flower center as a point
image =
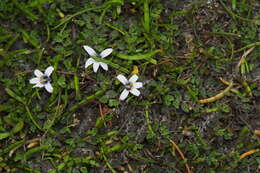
(45, 79)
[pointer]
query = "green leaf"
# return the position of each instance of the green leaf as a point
(168, 99)
(147, 56)
(29, 153)
(18, 127)
(29, 39)
(12, 146)
(16, 97)
(185, 107)
(146, 16)
(62, 81)
(38, 3)
(4, 135)
(113, 103)
(76, 85)
(26, 10)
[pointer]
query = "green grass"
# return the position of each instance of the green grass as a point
(180, 49)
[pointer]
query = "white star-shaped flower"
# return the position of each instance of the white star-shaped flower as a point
(130, 86)
(43, 79)
(95, 63)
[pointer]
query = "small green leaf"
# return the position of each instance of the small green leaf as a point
(62, 81)
(185, 107)
(18, 127)
(4, 135)
(12, 146)
(25, 10)
(29, 153)
(12, 94)
(168, 99)
(29, 39)
(147, 56)
(113, 103)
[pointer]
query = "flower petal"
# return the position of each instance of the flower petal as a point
(104, 66)
(137, 84)
(133, 79)
(135, 92)
(39, 85)
(38, 73)
(90, 51)
(89, 62)
(48, 71)
(124, 94)
(106, 52)
(48, 87)
(95, 66)
(34, 80)
(122, 79)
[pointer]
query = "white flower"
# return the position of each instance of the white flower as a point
(95, 63)
(130, 86)
(43, 79)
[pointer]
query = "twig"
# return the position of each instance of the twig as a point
(224, 81)
(101, 112)
(248, 153)
(248, 46)
(242, 59)
(218, 96)
(165, 61)
(222, 33)
(182, 155)
(63, 72)
(257, 132)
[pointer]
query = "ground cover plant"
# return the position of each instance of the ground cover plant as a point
(129, 86)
